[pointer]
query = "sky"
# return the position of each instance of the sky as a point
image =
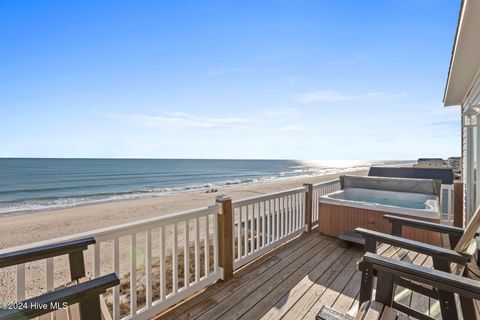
(283, 79)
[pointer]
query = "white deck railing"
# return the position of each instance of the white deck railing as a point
(164, 248)
(265, 222)
(321, 189)
(446, 202)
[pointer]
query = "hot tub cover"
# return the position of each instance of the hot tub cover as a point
(425, 186)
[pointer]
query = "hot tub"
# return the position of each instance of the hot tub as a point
(343, 211)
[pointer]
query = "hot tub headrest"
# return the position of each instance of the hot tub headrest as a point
(425, 186)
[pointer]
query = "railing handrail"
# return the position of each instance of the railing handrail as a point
(121, 228)
(325, 182)
(268, 196)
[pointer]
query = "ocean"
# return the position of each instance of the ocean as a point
(28, 184)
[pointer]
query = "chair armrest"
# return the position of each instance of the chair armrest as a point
(55, 299)
(421, 247)
(424, 225)
(442, 280)
(327, 313)
(11, 258)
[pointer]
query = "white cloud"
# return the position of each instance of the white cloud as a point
(184, 120)
(335, 96)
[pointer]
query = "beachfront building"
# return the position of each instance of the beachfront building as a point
(430, 163)
(463, 89)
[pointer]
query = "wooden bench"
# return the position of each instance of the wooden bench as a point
(82, 296)
(349, 237)
(453, 260)
(390, 272)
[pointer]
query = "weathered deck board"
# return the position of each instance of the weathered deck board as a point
(333, 291)
(349, 294)
(300, 265)
(219, 291)
(294, 261)
(293, 282)
(334, 261)
(326, 269)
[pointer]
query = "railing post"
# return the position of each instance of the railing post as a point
(308, 206)
(458, 204)
(225, 236)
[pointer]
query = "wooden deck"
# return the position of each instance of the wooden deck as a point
(294, 282)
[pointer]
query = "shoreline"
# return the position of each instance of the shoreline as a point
(31, 226)
(141, 195)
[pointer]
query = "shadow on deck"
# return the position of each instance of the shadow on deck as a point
(294, 282)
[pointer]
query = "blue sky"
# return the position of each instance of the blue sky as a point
(227, 79)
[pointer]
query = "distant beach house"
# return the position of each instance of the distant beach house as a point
(463, 88)
(430, 163)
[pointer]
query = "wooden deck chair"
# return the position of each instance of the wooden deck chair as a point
(389, 271)
(80, 299)
(454, 260)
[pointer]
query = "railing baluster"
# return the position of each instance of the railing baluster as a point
(264, 230)
(163, 290)
(449, 205)
(238, 213)
(207, 246)
(269, 221)
(20, 282)
(116, 289)
(257, 226)
(96, 259)
(186, 255)
(49, 274)
(148, 262)
(287, 215)
(133, 274)
(245, 231)
(294, 213)
(277, 213)
(251, 227)
(297, 211)
(215, 242)
(174, 259)
(282, 221)
(197, 250)
(291, 214)
(302, 204)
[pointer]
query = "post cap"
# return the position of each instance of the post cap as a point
(222, 197)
